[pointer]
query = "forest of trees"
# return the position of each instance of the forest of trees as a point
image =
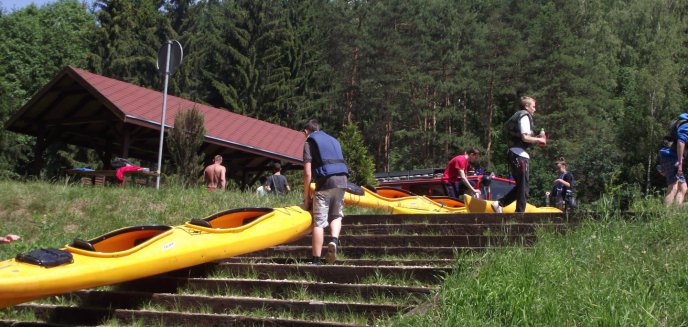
(421, 79)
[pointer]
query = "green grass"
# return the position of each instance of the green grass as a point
(609, 272)
(613, 272)
(52, 214)
(25, 315)
(403, 280)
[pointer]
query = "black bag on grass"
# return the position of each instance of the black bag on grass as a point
(46, 257)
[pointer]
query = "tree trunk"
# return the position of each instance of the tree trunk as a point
(490, 113)
(649, 156)
(387, 142)
(464, 126)
(351, 93)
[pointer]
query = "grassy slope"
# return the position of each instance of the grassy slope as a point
(51, 215)
(605, 273)
(610, 272)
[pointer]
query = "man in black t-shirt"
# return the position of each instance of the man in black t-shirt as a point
(277, 182)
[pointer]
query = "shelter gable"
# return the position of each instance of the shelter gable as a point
(111, 116)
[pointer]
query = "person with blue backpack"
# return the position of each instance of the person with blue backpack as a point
(671, 157)
(323, 161)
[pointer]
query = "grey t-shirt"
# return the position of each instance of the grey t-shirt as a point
(278, 184)
(324, 183)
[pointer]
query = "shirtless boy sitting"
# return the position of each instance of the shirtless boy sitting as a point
(215, 174)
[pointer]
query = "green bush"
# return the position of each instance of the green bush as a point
(184, 142)
(359, 161)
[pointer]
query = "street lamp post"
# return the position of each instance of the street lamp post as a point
(169, 58)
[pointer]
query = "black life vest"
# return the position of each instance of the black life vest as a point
(512, 130)
(328, 160)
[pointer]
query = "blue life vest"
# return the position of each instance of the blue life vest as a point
(329, 159)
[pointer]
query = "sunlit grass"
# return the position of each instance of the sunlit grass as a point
(324, 316)
(52, 214)
(406, 279)
(24, 315)
(611, 272)
(139, 322)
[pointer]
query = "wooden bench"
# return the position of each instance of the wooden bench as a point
(100, 177)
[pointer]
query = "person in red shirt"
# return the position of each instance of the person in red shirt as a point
(454, 178)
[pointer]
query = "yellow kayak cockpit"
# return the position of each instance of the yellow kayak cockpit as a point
(392, 192)
(120, 242)
(448, 201)
(230, 218)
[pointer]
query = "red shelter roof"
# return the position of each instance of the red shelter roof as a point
(82, 108)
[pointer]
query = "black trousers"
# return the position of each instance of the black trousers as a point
(519, 170)
(455, 190)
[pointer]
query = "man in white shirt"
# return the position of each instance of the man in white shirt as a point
(520, 135)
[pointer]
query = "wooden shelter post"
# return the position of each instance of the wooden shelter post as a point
(39, 151)
(126, 139)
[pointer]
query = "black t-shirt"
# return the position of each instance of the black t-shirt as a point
(278, 184)
(559, 190)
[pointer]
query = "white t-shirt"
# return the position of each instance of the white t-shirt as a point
(261, 191)
(525, 127)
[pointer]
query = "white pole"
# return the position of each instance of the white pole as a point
(164, 110)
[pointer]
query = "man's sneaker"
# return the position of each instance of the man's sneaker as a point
(332, 251)
(496, 208)
(315, 262)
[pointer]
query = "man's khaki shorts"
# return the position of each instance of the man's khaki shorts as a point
(328, 205)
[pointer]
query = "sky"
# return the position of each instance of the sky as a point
(11, 5)
(18, 4)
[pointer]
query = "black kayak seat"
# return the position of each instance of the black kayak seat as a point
(201, 222)
(81, 244)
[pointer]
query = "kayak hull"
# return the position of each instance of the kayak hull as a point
(485, 206)
(142, 251)
(398, 205)
(410, 211)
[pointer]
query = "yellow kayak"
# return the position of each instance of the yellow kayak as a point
(448, 201)
(419, 204)
(410, 211)
(485, 206)
(392, 192)
(142, 251)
